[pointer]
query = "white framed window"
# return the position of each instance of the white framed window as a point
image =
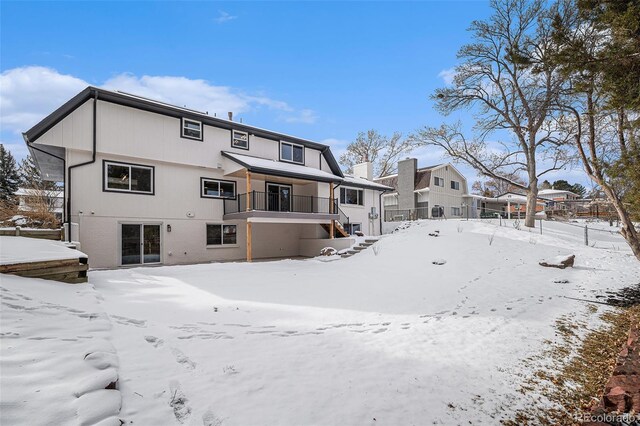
(455, 211)
(191, 129)
(221, 235)
(291, 152)
(216, 188)
(455, 185)
(352, 196)
(239, 139)
(438, 181)
(124, 177)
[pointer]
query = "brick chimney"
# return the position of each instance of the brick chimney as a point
(406, 183)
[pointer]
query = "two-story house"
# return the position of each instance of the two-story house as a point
(151, 183)
(423, 193)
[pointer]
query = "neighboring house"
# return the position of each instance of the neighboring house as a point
(562, 202)
(422, 193)
(509, 204)
(557, 195)
(152, 183)
(559, 200)
(34, 199)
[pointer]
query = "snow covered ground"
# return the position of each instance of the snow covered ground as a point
(383, 337)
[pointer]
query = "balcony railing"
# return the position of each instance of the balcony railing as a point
(277, 202)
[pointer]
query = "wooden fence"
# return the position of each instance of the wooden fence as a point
(46, 234)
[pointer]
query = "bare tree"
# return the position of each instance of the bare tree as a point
(505, 80)
(383, 151)
(495, 187)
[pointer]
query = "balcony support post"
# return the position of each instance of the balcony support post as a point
(249, 256)
(331, 224)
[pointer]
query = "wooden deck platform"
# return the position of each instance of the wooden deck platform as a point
(71, 271)
(38, 258)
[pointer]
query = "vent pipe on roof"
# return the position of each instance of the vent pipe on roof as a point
(230, 116)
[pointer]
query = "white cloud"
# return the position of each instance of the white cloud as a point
(28, 94)
(306, 116)
(447, 75)
(224, 17)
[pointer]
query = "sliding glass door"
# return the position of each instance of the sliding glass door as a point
(278, 197)
(140, 244)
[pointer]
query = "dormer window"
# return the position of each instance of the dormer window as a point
(191, 129)
(239, 139)
(291, 152)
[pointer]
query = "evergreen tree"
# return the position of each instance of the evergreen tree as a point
(30, 176)
(9, 176)
(579, 189)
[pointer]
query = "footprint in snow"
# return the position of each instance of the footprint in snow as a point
(154, 341)
(181, 358)
(129, 321)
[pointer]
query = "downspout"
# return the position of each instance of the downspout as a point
(380, 207)
(93, 160)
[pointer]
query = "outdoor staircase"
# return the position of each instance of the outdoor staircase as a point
(368, 242)
(338, 229)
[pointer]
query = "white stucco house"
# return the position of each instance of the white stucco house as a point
(151, 183)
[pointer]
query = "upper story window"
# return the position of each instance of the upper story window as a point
(123, 177)
(352, 196)
(291, 152)
(213, 188)
(438, 181)
(239, 139)
(191, 129)
(455, 185)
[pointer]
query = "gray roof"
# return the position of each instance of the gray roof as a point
(145, 104)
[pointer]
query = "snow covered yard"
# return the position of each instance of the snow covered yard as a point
(56, 359)
(383, 337)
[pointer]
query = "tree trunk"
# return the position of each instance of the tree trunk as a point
(532, 202)
(628, 230)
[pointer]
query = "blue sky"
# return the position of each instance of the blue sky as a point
(319, 70)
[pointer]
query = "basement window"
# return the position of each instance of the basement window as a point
(191, 129)
(221, 235)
